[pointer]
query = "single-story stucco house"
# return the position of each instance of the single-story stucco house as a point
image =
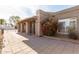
(67, 17)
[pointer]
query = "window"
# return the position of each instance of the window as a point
(61, 27)
(65, 24)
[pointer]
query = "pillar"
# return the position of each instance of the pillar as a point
(37, 29)
(21, 27)
(38, 23)
(78, 24)
(26, 27)
(18, 28)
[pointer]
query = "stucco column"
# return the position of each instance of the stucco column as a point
(78, 24)
(18, 27)
(40, 17)
(37, 29)
(21, 27)
(26, 27)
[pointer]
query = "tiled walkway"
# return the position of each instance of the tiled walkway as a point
(22, 44)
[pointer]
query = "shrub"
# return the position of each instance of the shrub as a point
(49, 27)
(72, 34)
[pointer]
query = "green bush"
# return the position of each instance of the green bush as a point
(49, 27)
(72, 34)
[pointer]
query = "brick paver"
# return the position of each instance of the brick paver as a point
(17, 43)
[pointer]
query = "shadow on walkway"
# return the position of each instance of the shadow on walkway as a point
(39, 44)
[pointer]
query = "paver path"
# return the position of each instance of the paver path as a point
(24, 44)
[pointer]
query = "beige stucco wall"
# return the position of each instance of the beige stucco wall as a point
(67, 14)
(41, 15)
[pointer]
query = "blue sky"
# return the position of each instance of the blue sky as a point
(29, 10)
(55, 8)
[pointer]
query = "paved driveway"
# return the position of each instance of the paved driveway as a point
(18, 43)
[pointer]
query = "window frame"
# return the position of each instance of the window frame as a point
(70, 19)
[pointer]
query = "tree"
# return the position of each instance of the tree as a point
(2, 21)
(14, 20)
